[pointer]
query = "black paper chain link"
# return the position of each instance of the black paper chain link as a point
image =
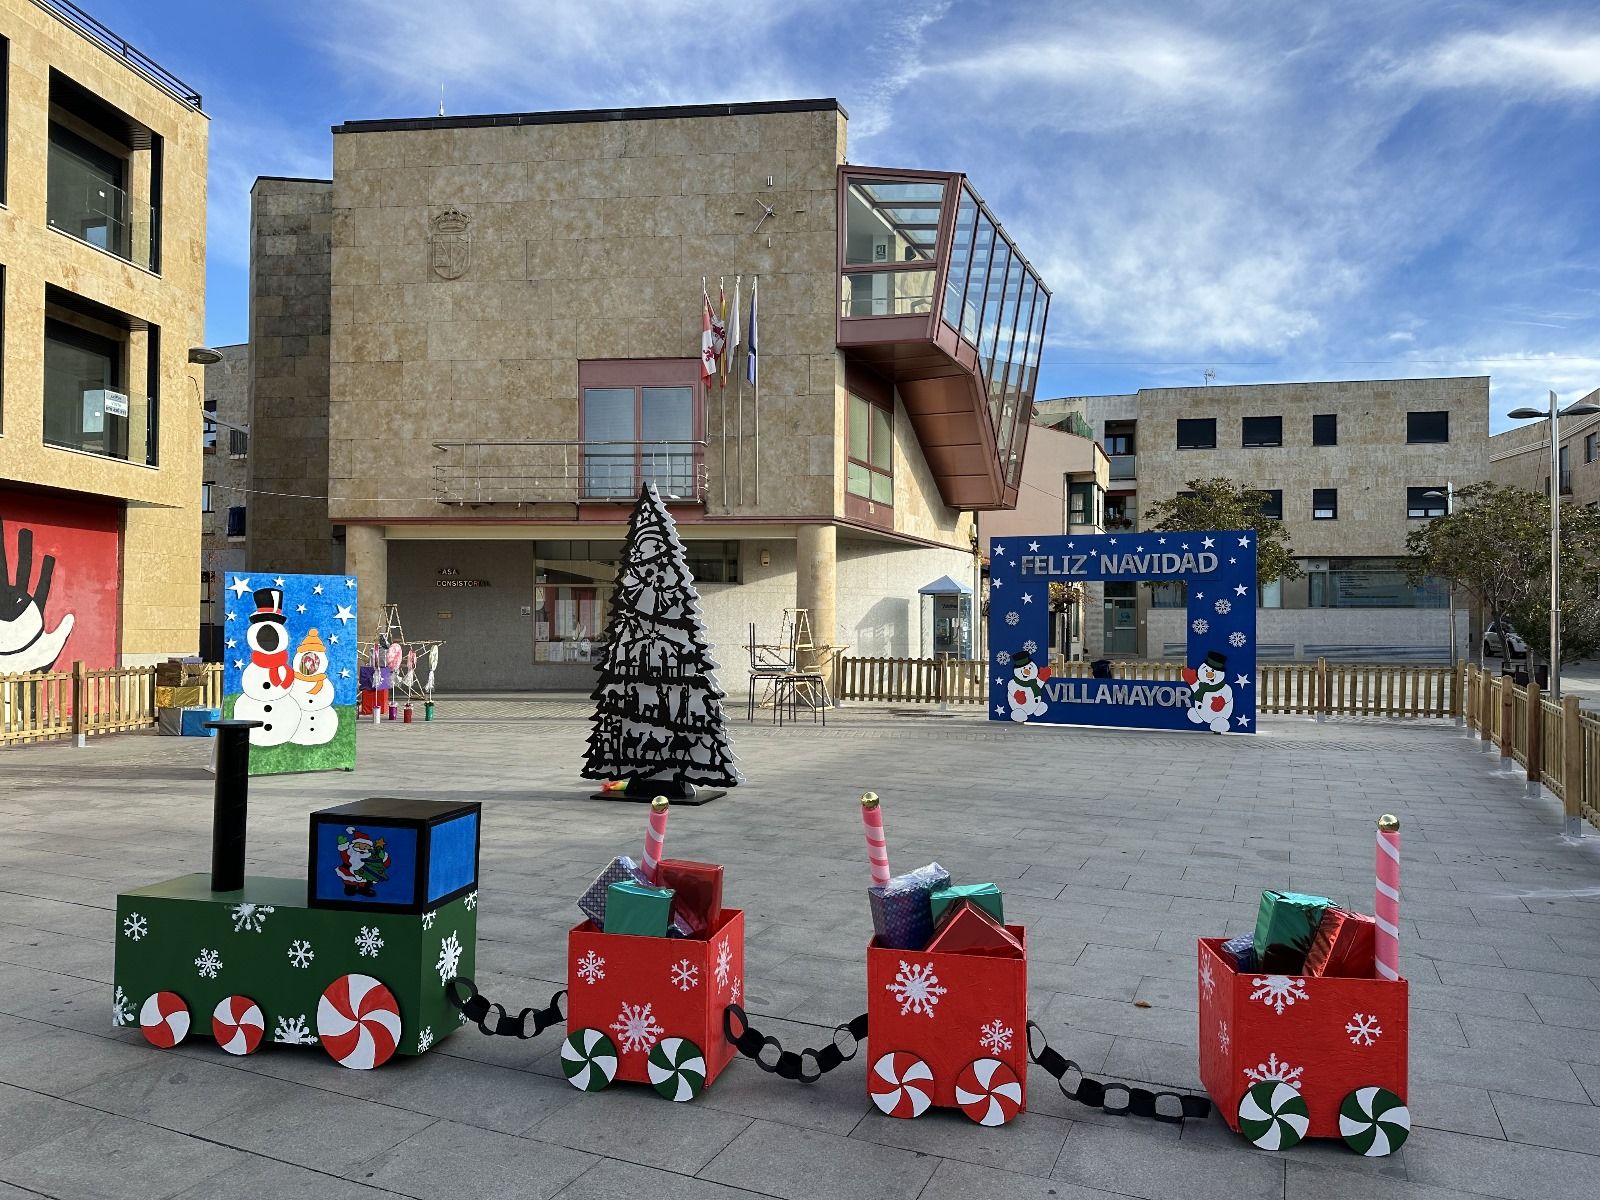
(788, 1064)
(476, 1007)
(1172, 1107)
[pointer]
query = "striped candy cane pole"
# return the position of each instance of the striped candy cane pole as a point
(1388, 898)
(655, 837)
(877, 845)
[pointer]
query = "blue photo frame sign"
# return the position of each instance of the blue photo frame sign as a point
(1218, 690)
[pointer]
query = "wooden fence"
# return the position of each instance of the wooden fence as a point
(39, 706)
(1305, 689)
(1557, 745)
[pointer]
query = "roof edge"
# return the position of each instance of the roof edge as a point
(582, 116)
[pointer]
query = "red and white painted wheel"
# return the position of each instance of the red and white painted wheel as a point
(164, 1020)
(238, 1025)
(901, 1084)
(358, 1021)
(988, 1091)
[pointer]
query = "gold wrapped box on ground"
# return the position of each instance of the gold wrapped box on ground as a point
(180, 697)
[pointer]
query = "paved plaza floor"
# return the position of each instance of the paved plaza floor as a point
(1116, 849)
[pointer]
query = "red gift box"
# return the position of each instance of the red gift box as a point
(640, 991)
(1345, 945)
(973, 931)
(697, 892)
(946, 1023)
(1324, 1036)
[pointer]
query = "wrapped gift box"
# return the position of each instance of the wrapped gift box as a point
(191, 696)
(697, 893)
(902, 911)
(985, 895)
(1286, 922)
(638, 909)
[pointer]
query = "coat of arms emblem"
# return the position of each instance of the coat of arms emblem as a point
(450, 249)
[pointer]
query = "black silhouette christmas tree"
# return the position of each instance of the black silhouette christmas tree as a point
(658, 709)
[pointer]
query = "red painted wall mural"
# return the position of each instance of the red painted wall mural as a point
(60, 581)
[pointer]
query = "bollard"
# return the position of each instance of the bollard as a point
(231, 803)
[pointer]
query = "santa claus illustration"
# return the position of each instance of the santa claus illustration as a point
(363, 862)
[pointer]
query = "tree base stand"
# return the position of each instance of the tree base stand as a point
(642, 791)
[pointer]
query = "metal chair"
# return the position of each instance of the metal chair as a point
(766, 670)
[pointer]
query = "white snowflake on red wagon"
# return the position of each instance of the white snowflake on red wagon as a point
(1274, 1069)
(1223, 1037)
(1363, 1029)
(591, 968)
(1208, 978)
(685, 975)
(636, 1026)
(995, 1036)
(1278, 992)
(916, 987)
(724, 963)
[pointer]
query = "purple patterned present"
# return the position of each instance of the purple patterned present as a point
(902, 910)
(1241, 952)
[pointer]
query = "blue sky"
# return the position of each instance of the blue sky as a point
(1344, 190)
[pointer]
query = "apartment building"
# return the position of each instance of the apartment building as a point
(1350, 467)
(514, 340)
(102, 276)
(224, 487)
(1520, 457)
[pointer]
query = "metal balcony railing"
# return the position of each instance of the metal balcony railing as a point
(119, 47)
(566, 472)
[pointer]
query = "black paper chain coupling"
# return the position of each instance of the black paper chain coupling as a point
(1173, 1107)
(478, 1008)
(790, 1064)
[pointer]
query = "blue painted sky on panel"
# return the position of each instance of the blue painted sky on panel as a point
(1330, 189)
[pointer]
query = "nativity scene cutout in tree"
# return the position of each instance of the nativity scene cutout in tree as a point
(658, 721)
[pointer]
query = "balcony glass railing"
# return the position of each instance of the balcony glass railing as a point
(87, 203)
(887, 293)
(535, 472)
(1122, 466)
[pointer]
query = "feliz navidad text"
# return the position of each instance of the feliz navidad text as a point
(1144, 566)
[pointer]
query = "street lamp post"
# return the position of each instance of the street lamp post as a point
(1555, 414)
(1449, 498)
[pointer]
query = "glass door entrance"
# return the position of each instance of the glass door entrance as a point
(1121, 628)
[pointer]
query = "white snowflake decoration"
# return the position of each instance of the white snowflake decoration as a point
(1030, 646)
(1012, 618)
(916, 987)
(685, 975)
(293, 1031)
(738, 985)
(1276, 1069)
(369, 941)
(424, 1039)
(1278, 992)
(1237, 639)
(250, 918)
(208, 964)
(637, 1027)
(1224, 607)
(1200, 625)
(449, 957)
(1003, 658)
(1224, 1039)
(301, 954)
(1363, 1029)
(471, 901)
(429, 917)
(591, 968)
(1208, 977)
(134, 927)
(995, 1036)
(724, 964)
(121, 1009)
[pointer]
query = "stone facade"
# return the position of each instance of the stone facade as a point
(226, 472)
(151, 310)
(1520, 456)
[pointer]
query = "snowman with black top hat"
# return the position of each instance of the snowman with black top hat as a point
(266, 681)
(1026, 692)
(1210, 696)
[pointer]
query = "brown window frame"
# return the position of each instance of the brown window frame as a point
(638, 374)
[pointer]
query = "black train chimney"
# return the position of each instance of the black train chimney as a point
(230, 813)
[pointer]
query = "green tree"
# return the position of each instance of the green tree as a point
(1495, 546)
(1224, 504)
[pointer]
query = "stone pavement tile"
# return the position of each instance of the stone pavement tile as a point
(613, 1180)
(966, 1181)
(1589, 1075)
(473, 1093)
(447, 1159)
(1431, 1027)
(1553, 1123)
(1030, 1144)
(799, 1164)
(1139, 1159)
(1504, 979)
(84, 958)
(59, 1061)
(1123, 1019)
(1535, 1038)
(112, 1158)
(834, 1104)
(27, 1118)
(1315, 1182)
(1477, 1002)
(630, 1122)
(1168, 993)
(1453, 1107)
(1505, 1169)
(182, 1093)
(268, 1179)
(8, 1192)
(1152, 1063)
(1537, 958)
(316, 1129)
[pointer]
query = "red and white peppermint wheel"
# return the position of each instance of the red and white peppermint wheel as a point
(238, 1025)
(358, 1020)
(900, 1084)
(164, 1020)
(987, 1091)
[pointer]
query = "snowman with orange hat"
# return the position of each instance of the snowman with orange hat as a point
(1210, 696)
(313, 691)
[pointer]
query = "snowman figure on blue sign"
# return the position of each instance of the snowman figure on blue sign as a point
(1210, 696)
(1026, 691)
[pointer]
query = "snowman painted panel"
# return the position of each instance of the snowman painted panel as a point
(1026, 692)
(279, 717)
(1210, 695)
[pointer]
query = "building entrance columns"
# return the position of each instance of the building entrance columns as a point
(366, 557)
(815, 584)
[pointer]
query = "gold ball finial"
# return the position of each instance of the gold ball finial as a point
(1389, 823)
(869, 800)
(659, 804)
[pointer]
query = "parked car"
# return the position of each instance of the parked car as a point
(1503, 641)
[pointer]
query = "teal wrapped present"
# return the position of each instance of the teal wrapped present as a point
(1286, 923)
(638, 909)
(985, 895)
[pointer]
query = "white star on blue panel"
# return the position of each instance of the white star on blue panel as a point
(239, 586)
(1207, 543)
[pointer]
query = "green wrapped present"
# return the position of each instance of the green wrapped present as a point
(638, 909)
(985, 895)
(1286, 923)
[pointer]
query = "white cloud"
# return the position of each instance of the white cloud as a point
(1541, 61)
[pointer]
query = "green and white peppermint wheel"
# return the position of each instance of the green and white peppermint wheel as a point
(588, 1059)
(677, 1069)
(1273, 1115)
(1374, 1121)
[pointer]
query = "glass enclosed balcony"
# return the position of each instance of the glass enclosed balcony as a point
(936, 296)
(87, 198)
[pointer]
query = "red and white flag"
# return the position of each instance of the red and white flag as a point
(719, 326)
(708, 342)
